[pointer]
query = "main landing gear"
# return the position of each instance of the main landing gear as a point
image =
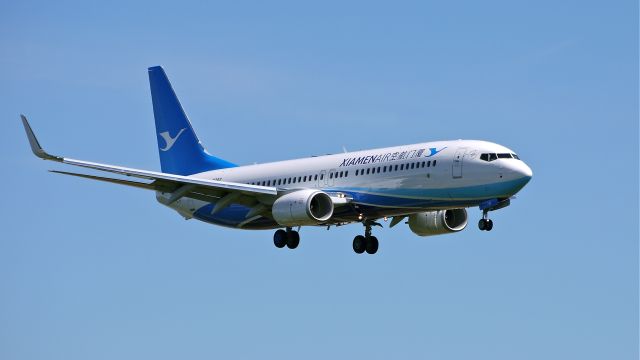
(368, 242)
(485, 224)
(289, 238)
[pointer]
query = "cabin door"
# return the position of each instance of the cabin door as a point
(458, 160)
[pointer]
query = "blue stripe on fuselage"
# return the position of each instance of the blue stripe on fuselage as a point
(231, 216)
(417, 197)
(469, 196)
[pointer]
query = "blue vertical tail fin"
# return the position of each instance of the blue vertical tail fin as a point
(180, 150)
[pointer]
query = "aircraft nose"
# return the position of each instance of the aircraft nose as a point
(522, 171)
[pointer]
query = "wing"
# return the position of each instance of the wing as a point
(222, 192)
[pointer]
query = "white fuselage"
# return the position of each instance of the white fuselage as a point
(380, 182)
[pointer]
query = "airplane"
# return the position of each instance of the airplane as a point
(430, 184)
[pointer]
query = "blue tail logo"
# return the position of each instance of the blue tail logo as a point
(169, 140)
(187, 155)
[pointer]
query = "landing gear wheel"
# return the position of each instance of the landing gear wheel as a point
(359, 244)
(293, 239)
(485, 224)
(489, 225)
(372, 245)
(280, 238)
(482, 224)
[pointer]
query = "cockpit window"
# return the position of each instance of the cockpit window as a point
(493, 156)
(488, 157)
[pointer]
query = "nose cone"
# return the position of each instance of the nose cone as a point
(523, 171)
(519, 174)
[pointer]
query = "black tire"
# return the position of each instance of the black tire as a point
(482, 224)
(489, 225)
(293, 239)
(359, 244)
(372, 245)
(280, 238)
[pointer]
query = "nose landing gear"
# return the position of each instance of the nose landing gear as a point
(485, 224)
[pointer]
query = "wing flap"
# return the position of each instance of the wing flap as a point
(147, 186)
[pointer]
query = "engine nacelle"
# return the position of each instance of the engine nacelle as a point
(302, 207)
(438, 222)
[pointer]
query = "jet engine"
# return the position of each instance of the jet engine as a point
(438, 222)
(302, 207)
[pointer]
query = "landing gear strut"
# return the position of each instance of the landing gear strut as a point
(368, 242)
(485, 224)
(289, 238)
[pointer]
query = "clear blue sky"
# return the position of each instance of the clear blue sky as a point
(96, 271)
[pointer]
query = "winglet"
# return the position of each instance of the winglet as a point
(35, 145)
